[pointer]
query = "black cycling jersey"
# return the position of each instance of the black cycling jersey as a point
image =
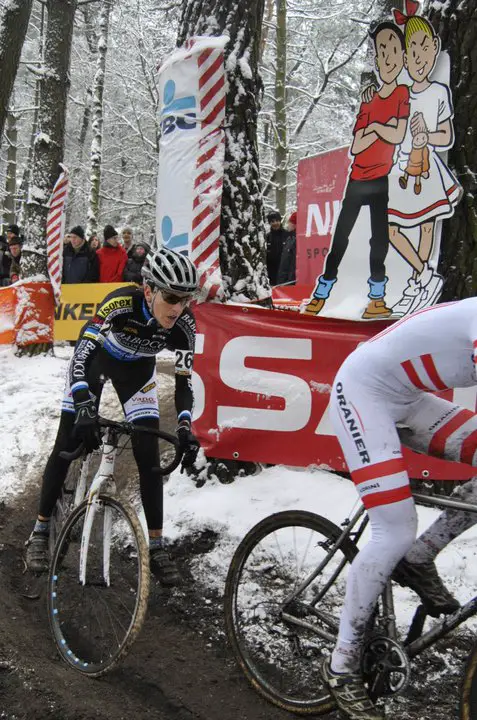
(126, 330)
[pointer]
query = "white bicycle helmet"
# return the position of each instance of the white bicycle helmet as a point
(169, 270)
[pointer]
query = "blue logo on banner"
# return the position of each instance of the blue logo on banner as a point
(174, 113)
(180, 243)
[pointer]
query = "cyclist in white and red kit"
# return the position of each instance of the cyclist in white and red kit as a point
(389, 381)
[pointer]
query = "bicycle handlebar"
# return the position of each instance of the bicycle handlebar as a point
(128, 428)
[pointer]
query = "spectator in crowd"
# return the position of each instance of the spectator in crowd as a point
(112, 257)
(80, 264)
(287, 268)
(12, 231)
(275, 241)
(93, 243)
(15, 243)
(132, 271)
(127, 240)
(5, 261)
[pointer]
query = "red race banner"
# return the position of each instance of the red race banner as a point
(262, 382)
(320, 187)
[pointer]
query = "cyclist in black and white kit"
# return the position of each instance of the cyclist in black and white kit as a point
(121, 342)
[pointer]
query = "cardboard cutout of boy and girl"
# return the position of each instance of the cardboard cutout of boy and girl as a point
(398, 172)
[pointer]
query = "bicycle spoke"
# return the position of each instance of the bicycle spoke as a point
(278, 634)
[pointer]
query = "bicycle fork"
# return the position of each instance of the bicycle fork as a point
(104, 474)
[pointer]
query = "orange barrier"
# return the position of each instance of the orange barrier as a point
(26, 313)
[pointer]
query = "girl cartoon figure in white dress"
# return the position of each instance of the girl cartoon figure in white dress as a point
(431, 116)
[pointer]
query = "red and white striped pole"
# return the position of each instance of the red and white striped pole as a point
(55, 224)
(209, 171)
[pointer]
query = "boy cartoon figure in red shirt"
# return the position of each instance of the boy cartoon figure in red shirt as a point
(380, 127)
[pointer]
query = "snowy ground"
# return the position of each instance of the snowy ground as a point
(29, 406)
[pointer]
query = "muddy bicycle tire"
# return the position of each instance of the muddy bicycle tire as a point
(468, 690)
(78, 642)
(281, 659)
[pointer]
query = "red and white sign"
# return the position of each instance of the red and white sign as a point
(262, 382)
(320, 187)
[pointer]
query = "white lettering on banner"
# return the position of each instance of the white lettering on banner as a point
(326, 225)
(197, 382)
(295, 391)
(325, 427)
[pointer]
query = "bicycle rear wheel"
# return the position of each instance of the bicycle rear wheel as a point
(278, 632)
(94, 624)
(468, 691)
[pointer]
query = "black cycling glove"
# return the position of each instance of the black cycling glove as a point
(86, 427)
(188, 444)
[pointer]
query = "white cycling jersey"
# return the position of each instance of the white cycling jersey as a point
(389, 380)
(432, 350)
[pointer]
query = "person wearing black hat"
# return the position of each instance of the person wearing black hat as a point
(80, 265)
(276, 239)
(132, 271)
(13, 256)
(12, 231)
(112, 257)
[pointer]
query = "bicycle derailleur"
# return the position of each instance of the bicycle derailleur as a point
(386, 667)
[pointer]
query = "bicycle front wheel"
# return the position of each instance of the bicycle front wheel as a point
(93, 624)
(281, 615)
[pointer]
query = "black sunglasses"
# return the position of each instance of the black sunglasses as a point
(172, 299)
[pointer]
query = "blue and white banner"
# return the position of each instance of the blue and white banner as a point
(189, 192)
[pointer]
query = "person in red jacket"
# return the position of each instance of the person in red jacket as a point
(112, 257)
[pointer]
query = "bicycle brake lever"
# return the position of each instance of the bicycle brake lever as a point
(74, 454)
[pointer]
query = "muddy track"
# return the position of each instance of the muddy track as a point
(180, 668)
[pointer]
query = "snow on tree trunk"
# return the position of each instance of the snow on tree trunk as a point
(50, 138)
(97, 124)
(14, 19)
(75, 171)
(242, 252)
(456, 24)
(25, 182)
(281, 148)
(11, 135)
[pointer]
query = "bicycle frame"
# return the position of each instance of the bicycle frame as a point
(104, 475)
(353, 530)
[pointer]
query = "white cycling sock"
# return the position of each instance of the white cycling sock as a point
(393, 532)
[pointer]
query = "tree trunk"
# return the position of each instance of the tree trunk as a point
(25, 181)
(13, 28)
(242, 255)
(456, 24)
(281, 149)
(97, 124)
(76, 171)
(268, 19)
(50, 139)
(9, 204)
